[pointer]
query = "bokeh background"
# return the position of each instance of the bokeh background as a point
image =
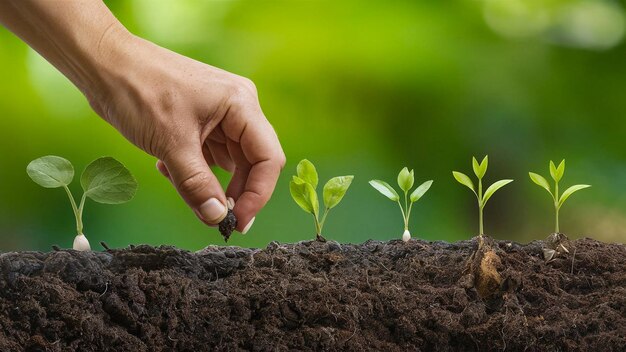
(362, 88)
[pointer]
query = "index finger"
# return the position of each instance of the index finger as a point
(262, 149)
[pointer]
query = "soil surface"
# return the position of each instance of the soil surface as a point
(385, 296)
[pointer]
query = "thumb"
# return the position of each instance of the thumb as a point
(196, 184)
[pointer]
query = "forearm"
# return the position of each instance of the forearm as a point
(75, 36)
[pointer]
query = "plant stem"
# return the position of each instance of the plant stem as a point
(80, 213)
(480, 207)
(77, 216)
(318, 228)
(557, 221)
(406, 224)
(556, 206)
(326, 210)
(408, 213)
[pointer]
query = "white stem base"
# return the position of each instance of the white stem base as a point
(81, 243)
(406, 236)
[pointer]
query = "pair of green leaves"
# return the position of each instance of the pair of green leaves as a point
(406, 180)
(557, 174)
(104, 180)
(480, 169)
(303, 191)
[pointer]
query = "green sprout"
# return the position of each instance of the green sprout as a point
(104, 180)
(303, 190)
(405, 181)
(556, 173)
(479, 171)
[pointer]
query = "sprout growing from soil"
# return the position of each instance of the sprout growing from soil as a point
(556, 173)
(405, 181)
(303, 190)
(479, 171)
(104, 180)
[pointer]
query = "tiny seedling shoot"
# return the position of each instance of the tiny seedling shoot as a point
(104, 180)
(405, 181)
(303, 190)
(479, 171)
(556, 173)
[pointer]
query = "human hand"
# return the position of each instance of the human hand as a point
(190, 116)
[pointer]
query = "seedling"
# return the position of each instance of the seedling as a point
(303, 190)
(104, 180)
(479, 171)
(405, 181)
(556, 173)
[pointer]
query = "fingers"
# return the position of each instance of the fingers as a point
(262, 150)
(196, 184)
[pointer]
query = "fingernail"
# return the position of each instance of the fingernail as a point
(230, 202)
(212, 211)
(247, 228)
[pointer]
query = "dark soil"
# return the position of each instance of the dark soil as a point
(387, 296)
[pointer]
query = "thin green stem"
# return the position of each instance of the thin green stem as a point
(80, 213)
(408, 213)
(556, 206)
(318, 228)
(480, 207)
(79, 224)
(326, 210)
(406, 224)
(406, 207)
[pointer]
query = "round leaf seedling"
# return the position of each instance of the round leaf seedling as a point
(105, 180)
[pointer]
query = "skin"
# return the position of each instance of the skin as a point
(189, 115)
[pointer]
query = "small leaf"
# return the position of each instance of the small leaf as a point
(464, 180)
(304, 195)
(493, 188)
(553, 171)
(560, 170)
(540, 180)
(483, 166)
(335, 189)
(306, 172)
(476, 167)
(107, 181)
(51, 171)
(568, 192)
(405, 179)
(419, 191)
(384, 188)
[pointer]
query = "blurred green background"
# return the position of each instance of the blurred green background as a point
(357, 87)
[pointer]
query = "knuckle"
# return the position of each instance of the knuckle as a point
(193, 184)
(282, 160)
(243, 91)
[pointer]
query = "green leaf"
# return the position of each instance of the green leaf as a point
(335, 189)
(384, 188)
(493, 188)
(568, 192)
(419, 191)
(553, 171)
(476, 167)
(306, 171)
(405, 179)
(560, 170)
(51, 171)
(480, 169)
(107, 181)
(483, 166)
(304, 195)
(540, 180)
(464, 180)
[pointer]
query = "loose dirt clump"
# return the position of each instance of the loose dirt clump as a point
(391, 296)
